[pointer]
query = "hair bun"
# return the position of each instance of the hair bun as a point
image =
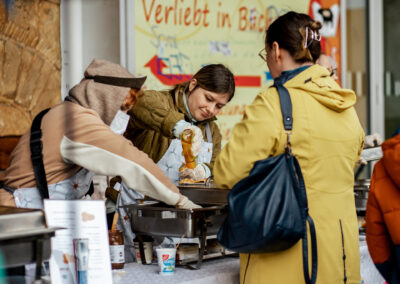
(316, 26)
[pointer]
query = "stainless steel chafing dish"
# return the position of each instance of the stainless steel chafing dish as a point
(158, 219)
(162, 220)
(361, 189)
(24, 236)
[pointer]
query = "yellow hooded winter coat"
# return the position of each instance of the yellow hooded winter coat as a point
(327, 139)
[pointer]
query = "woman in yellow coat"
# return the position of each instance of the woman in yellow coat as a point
(327, 139)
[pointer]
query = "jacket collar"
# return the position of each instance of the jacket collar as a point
(287, 75)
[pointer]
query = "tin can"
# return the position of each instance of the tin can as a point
(81, 254)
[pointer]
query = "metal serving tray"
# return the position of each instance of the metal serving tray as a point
(159, 219)
(24, 236)
(207, 193)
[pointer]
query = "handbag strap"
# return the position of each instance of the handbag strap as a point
(36, 147)
(286, 109)
(313, 235)
(284, 97)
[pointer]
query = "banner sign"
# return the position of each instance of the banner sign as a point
(175, 38)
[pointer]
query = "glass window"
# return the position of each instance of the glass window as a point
(391, 25)
(356, 50)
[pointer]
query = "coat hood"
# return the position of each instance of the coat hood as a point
(104, 98)
(391, 158)
(317, 82)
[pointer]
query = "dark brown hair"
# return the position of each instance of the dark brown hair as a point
(289, 31)
(215, 78)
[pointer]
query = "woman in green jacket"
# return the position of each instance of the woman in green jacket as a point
(326, 139)
(156, 122)
(159, 117)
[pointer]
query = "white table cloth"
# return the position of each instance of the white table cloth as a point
(215, 271)
(222, 271)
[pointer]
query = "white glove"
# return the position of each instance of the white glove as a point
(185, 203)
(359, 163)
(197, 138)
(372, 140)
(201, 171)
(362, 161)
(120, 122)
(179, 127)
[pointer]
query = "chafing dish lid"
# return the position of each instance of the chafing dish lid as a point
(205, 193)
(22, 222)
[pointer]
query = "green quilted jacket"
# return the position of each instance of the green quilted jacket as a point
(154, 117)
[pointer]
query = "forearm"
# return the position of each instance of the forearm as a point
(135, 168)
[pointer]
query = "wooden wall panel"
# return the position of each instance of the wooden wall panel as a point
(30, 62)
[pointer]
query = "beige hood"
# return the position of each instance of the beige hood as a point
(105, 99)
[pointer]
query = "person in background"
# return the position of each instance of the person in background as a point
(383, 212)
(159, 118)
(327, 62)
(326, 139)
(82, 136)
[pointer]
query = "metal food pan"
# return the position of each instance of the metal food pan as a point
(163, 220)
(24, 235)
(204, 194)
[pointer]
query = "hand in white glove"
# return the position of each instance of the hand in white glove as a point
(372, 140)
(201, 171)
(185, 203)
(360, 162)
(179, 127)
(197, 139)
(197, 135)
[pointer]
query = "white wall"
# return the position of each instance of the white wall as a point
(89, 29)
(100, 30)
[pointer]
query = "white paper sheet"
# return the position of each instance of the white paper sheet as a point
(82, 219)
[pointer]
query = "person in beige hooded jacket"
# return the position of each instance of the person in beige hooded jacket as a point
(78, 142)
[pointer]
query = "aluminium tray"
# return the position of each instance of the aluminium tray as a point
(159, 219)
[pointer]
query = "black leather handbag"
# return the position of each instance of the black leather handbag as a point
(268, 209)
